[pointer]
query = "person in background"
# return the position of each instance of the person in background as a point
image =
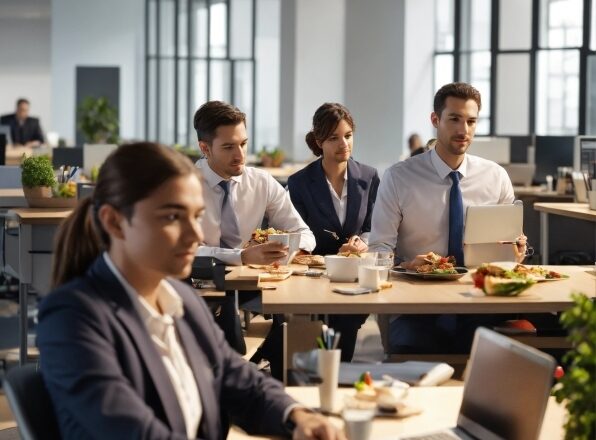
(335, 196)
(415, 145)
(127, 350)
(420, 208)
(24, 130)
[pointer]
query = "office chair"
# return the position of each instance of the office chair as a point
(31, 404)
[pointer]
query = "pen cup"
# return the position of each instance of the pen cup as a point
(328, 368)
(358, 423)
(592, 199)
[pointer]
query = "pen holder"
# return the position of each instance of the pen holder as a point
(592, 199)
(328, 368)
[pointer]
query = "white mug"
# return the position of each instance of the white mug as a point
(370, 277)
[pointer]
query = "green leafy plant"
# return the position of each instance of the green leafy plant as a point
(37, 171)
(577, 388)
(98, 121)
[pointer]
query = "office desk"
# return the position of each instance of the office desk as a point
(304, 295)
(34, 260)
(282, 173)
(540, 192)
(440, 407)
(12, 198)
(579, 211)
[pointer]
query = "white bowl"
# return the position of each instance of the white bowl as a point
(342, 269)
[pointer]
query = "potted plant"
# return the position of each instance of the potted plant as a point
(40, 186)
(98, 121)
(577, 388)
(272, 158)
(37, 177)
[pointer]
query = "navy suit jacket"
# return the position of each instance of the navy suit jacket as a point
(29, 131)
(311, 196)
(107, 380)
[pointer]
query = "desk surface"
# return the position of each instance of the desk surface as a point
(40, 216)
(539, 191)
(12, 198)
(440, 409)
(579, 211)
(304, 295)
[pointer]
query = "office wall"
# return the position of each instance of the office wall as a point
(25, 28)
(374, 78)
(92, 33)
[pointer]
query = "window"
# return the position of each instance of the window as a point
(533, 77)
(199, 50)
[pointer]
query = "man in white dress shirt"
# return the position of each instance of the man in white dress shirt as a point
(237, 199)
(253, 193)
(412, 214)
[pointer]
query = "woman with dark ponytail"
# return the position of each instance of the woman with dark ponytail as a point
(335, 196)
(127, 350)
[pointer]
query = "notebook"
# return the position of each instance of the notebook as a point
(505, 393)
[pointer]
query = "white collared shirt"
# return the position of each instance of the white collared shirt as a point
(411, 215)
(254, 194)
(163, 333)
(340, 202)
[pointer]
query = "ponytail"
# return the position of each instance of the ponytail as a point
(77, 244)
(311, 141)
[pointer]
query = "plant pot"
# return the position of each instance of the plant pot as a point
(41, 197)
(37, 192)
(267, 161)
(277, 161)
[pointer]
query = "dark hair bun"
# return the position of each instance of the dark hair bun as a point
(311, 141)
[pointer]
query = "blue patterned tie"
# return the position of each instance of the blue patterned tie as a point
(230, 233)
(456, 221)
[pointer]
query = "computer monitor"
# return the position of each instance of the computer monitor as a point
(552, 152)
(497, 149)
(584, 155)
(71, 156)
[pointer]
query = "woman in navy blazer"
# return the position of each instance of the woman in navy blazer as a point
(112, 371)
(335, 196)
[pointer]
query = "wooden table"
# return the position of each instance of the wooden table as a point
(303, 295)
(579, 211)
(282, 173)
(440, 407)
(34, 258)
(538, 191)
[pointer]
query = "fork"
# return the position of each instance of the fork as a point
(333, 234)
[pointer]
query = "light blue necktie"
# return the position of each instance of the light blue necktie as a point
(230, 233)
(456, 220)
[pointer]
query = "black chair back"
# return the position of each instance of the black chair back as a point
(31, 404)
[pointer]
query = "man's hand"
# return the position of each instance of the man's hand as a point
(354, 244)
(312, 426)
(265, 253)
(413, 264)
(520, 248)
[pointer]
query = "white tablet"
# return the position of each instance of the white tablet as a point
(487, 227)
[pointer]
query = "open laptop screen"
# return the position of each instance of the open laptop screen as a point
(506, 390)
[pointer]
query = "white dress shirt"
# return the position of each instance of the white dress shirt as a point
(163, 333)
(411, 215)
(254, 194)
(340, 202)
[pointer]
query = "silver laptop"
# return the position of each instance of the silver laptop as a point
(521, 174)
(487, 227)
(505, 393)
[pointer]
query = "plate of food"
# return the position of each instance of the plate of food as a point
(538, 273)
(384, 397)
(260, 236)
(501, 280)
(437, 267)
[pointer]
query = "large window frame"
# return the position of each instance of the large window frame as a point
(585, 54)
(155, 60)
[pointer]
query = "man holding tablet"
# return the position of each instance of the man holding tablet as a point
(420, 208)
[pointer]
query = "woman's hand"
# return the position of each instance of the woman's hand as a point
(312, 426)
(354, 244)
